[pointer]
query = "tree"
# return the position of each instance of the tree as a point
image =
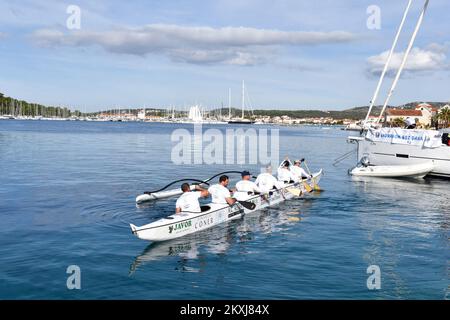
(444, 116)
(398, 122)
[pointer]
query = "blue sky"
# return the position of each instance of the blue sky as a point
(292, 54)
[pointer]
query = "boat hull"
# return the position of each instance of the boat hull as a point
(388, 154)
(179, 225)
(399, 171)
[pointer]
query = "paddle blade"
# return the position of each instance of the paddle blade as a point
(315, 185)
(307, 187)
(248, 205)
(295, 191)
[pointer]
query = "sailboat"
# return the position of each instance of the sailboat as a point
(399, 152)
(241, 120)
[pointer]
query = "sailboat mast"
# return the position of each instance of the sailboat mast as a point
(243, 97)
(388, 61)
(405, 57)
(229, 103)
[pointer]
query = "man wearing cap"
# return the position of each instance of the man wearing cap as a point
(246, 185)
(298, 172)
(188, 201)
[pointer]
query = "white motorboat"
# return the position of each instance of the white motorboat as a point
(178, 225)
(395, 171)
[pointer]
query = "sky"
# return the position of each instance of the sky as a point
(292, 54)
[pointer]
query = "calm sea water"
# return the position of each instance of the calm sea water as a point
(67, 193)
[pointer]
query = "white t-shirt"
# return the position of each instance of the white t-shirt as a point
(247, 186)
(298, 173)
(266, 182)
(219, 193)
(285, 175)
(188, 201)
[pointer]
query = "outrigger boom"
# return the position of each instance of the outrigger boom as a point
(178, 225)
(163, 193)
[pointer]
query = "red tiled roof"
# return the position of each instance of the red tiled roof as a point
(404, 112)
(428, 106)
(424, 104)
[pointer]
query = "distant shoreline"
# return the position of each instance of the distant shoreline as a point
(165, 121)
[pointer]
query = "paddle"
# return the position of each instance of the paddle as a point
(307, 186)
(247, 204)
(295, 191)
(315, 185)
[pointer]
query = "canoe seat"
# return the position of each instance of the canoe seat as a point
(205, 208)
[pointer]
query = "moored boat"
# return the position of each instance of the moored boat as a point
(394, 149)
(394, 171)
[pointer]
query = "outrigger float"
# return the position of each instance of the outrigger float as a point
(178, 225)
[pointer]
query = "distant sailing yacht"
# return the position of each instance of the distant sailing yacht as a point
(242, 120)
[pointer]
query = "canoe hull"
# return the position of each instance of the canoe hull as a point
(179, 225)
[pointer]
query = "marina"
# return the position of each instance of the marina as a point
(224, 159)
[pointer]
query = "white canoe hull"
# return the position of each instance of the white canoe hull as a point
(395, 171)
(178, 225)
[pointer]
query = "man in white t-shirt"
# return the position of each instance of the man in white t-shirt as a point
(246, 185)
(284, 173)
(298, 171)
(220, 193)
(188, 201)
(266, 181)
(410, 123)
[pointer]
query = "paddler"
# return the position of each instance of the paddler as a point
(188, 201)
(298, 172)
(266, 181)
(220, 193)
(284, 173)
(246, 185)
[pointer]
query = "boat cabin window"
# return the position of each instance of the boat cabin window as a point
(445, 139)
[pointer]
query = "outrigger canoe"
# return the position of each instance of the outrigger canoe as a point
(178, 225)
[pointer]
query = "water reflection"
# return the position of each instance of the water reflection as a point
(215, 240)
(405, 223)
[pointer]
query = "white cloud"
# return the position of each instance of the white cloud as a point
(419, 60)
(229, 45)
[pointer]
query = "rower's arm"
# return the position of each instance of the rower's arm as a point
(178, 210)
(256, 188)
(204, 193)
(230, 201)
(198, 188)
